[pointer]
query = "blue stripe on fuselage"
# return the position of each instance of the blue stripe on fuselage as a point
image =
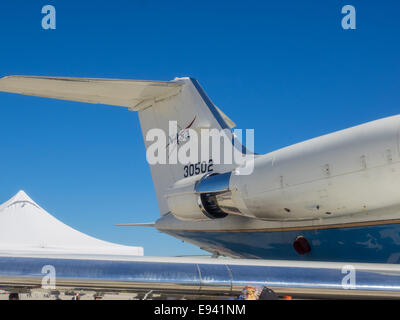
(378, 244)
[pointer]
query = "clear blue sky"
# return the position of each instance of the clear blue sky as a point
(285, 68)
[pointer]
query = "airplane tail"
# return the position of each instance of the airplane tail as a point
(180, 109)
(191, 110)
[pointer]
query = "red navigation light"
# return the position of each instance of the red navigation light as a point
(301, 245)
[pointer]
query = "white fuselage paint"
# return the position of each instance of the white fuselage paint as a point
(346, 172)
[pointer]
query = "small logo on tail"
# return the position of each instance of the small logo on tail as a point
(181, 136)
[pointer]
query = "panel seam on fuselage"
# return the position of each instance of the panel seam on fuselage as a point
(332, 226)
(323, 178)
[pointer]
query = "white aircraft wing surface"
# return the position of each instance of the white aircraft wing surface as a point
(134, 94)
(116, 92)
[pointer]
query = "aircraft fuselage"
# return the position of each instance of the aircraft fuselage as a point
(339, 191)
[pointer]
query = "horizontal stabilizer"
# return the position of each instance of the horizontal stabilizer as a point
(116, 92)
(149, 224)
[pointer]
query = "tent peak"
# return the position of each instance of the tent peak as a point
(19, 197)
(25, 227)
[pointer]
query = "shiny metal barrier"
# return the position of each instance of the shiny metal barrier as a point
(219, 276)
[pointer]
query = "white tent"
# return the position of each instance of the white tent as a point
(27, 229)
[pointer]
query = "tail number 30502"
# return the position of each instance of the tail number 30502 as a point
(195, 169)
